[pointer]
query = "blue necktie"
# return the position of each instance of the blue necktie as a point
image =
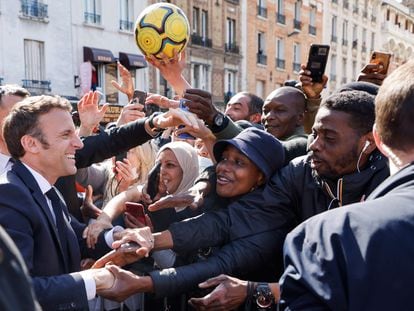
(58, 207)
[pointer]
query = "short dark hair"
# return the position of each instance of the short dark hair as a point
(13, 89)
(23, 120)
(358, 104)
(395, 109)
(256, 103)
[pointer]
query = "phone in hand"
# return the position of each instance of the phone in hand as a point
(183, 106)
(137, 211)
(317, 59)
(381, 58)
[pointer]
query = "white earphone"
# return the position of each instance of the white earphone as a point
(367, 143)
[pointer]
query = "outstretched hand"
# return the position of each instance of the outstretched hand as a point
(124, 255)
(89, 112)
(127, 84)
(229, 294)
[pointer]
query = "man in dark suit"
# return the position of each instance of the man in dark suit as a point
(39, 132)
(15, 283)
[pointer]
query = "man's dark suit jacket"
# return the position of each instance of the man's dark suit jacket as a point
(16, 289)
(98, 148)
(25, 215)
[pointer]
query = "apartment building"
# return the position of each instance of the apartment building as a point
(68, 47)
(352, 30)
(397, 31)
(277, 39)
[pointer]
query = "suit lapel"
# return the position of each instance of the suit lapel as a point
(28, 179)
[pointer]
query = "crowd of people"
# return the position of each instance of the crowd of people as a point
(294, 202)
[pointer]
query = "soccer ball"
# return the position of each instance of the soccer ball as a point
(161, 28)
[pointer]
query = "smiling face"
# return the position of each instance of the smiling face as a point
(236, 174)
(171, 173)
(283, 112)
(334, 151)
(238, 107)
(55, 152)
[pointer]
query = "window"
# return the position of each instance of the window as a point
(333, 68)
(196, 20)
(372, 41)
(201, 76)
(231, 36)
(261, 48)
(312, 20)
(344, 65)
(333, 29)
(296, 21)
(126, 14)
(204, 24)
(280, 14)
(34, 61)
(200, 28)
(92, 12)
(280, 54)
(364, 39)
(37, 9)
(260, 88)
(354, 70)
(261, 8)
(345, 33)
(354, 36)
(388, 17)
(230, 84)
(296, 57)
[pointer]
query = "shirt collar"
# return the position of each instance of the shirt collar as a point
(44, 185)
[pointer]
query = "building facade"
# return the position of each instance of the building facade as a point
(69, 47)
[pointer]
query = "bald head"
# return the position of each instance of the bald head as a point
(283, 111)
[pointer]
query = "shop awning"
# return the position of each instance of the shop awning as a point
(95, 55)
(131, 61)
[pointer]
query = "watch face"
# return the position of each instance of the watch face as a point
(264, 296)
(218, 119)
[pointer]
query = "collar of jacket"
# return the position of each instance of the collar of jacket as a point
(355, 187)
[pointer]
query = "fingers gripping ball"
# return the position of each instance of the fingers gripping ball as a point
(161, 28)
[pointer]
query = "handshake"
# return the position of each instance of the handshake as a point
(115, 283)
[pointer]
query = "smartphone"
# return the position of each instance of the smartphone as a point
(183, 106)
(120, 157)
(381, 58)
(137, 211)
(139, 97)
(317, 59)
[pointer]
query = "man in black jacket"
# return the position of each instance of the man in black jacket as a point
(360, 258)
(343, 167)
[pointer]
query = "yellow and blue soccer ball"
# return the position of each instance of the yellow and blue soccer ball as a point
(161, 28)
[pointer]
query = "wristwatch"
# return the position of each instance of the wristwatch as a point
(218, 119)
(264, 297)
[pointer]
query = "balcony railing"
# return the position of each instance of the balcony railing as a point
(92, 18)
(281, 18)
(297, 24)
(126, 25)
(34, 9)
(231, 48)
(280, 63)
(334, 38)
(354, 44)
(233, 1)
(312, 30)
(202, 41)
(37, 87)
(344, 42)
(261, 59)
(296, 67)
(346, 5)
(261, 11)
